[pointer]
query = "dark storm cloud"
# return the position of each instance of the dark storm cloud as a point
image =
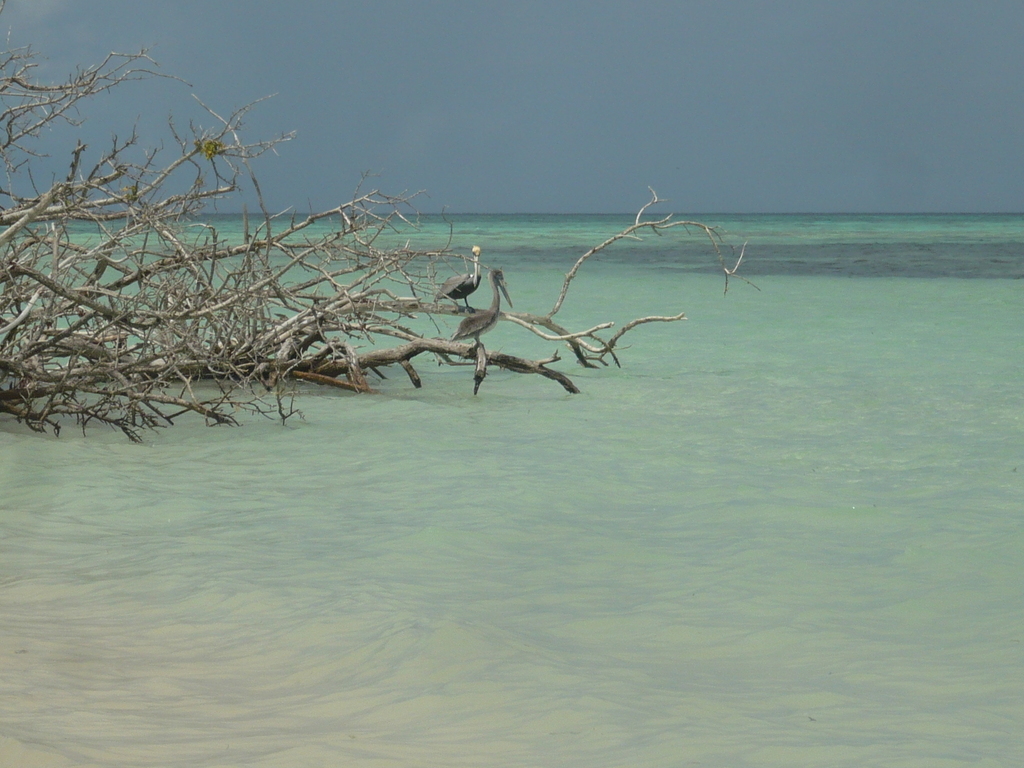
(579, 106)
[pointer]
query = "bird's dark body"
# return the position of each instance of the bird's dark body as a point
(461, 286)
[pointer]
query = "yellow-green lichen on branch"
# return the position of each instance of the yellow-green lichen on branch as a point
(210, 148)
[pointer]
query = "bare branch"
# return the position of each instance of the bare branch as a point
(655, 226)
(120, 306)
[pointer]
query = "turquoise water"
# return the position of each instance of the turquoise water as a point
(786, 533)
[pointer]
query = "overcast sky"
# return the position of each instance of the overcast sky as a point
(724, 106)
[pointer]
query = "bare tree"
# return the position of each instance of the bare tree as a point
(121, 305)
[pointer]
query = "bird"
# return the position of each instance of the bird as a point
(460, 286)
(484, 320)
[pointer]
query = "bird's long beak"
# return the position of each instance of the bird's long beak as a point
(501, 284)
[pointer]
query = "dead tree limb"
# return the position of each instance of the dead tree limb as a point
(120, 305)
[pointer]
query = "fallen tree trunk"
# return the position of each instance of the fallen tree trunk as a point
(127, 351)
(121, 305)
(445, 350)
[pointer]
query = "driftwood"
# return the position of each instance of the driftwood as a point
(120, 305)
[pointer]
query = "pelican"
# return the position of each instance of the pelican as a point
(484, 320)
(460, 286)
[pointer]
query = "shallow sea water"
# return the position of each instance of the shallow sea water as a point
(786, 533)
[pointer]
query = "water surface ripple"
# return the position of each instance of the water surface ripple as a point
(786, 533)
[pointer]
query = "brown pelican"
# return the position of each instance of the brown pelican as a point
(460, 286)
(485, 319)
